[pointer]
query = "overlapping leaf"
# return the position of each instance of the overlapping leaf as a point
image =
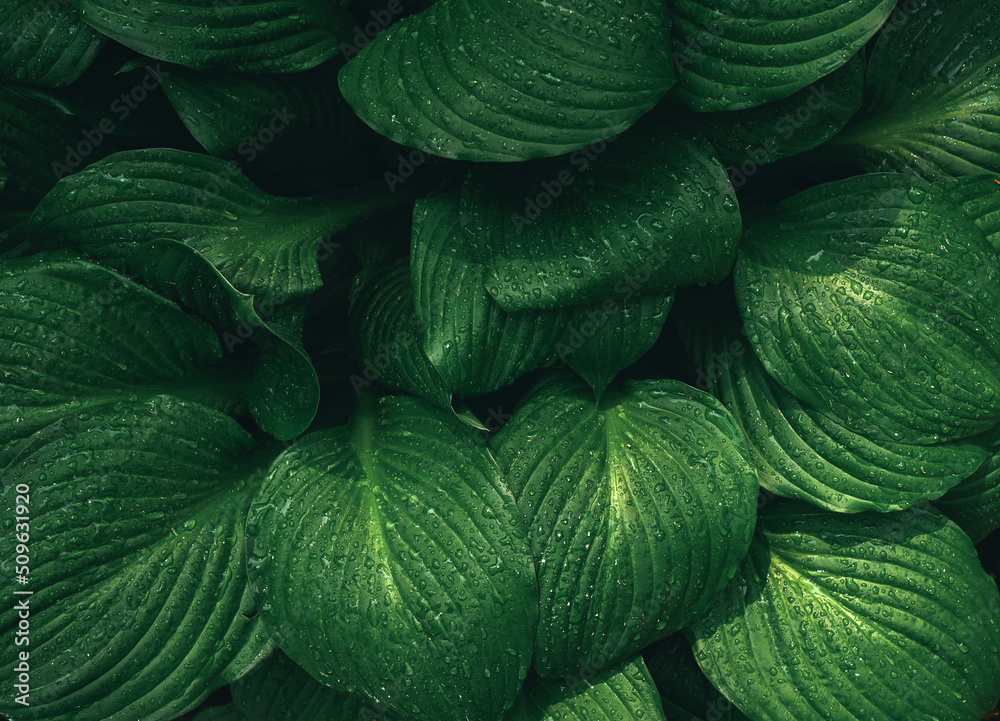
(735, 54)
(74, 335)
(865, 616)
(638, 511)
(390, 561)
(139, 604)
(801, 453)
(44, 43)
(264, 245)
(623, 692)
(932, 105)
(648, 212)
(974, 504)
(979, 198)
(508, 80)
(875, 299)
(260, 36)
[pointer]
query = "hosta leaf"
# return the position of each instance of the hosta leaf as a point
(295, 123)
(139, 605)
(254, 36)
(280, 690)
(638, 511)
(612, 335)
(786, 127)
(262, 244)
(686, 693)
(874, 617)
(624, 693)
(510, 80)
(979, 198)
(734, 54)
(650, 211)
(473, 343)
(283, 393)
(801, 453)
(417, 590)
(931, 103)
(386, 332)
(45, 43)
(75, 335)
(874, 300)
(974, 504)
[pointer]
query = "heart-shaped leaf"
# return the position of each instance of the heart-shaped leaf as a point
(862, 298)
(622, 693)
(648, 212)
(132, 514)
(253, 36)
(931, 103)
(511, 80)
(735, 54)
(801, 453)
(390, 560)
(873, 617)
(638, 510)
(45, 43)
(74, 335)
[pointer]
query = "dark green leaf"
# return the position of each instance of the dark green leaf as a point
(45, 43)
(736, 54)
(648, 212)
(638, 509)
(874, 299)
(510, 80)
(258, 36)
(390, 561)
(220, 713)
(931, 103)
(979, 198)
(974, 504)
(867, 617)
(140, 605)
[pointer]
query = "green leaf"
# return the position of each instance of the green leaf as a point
(609, 337)
(735, 54)
(386, 332)
(638, 510)
(280, 690)
(473, 343)
(295, 124)
(873, 617)
(139, 604)
(220, 713)
(801, 453)
(786, 127)
(625, 693)
(254, 36)
(874, 300)
(503, 80)
(979, 198)
(264, 245)
(417, 590)
(648, 212)
(974, 504)
(283, 393)
(45, 43)
(931, 103)
(686, 693)
(74, 335)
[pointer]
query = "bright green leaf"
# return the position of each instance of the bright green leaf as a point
(932, 107)
(45, 43)
(867, 617)
(874, 299)
(638, 509)
(390, 561)
(647, 212)
(503, 80)
(140, 605)
(736, 54)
